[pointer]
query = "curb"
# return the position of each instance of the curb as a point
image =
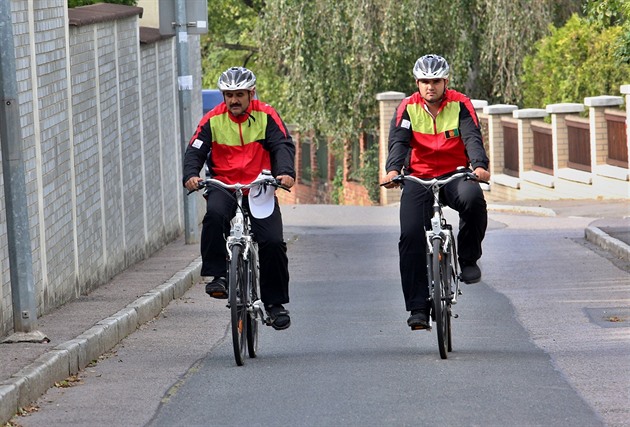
(528, 210)
(605, 241)
(31, 382)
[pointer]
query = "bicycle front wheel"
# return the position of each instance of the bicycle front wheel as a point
(254, 292)
(238, 303)
(452, 286)
(440, 300)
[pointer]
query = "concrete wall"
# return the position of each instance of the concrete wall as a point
(100, 134)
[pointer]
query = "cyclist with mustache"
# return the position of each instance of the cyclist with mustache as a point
(237, 140)
(433, 133)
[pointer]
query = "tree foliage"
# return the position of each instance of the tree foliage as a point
(336, 56)
(612, 13)
(586, 57)
(230, 41)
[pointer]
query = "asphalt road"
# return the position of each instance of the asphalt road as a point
(533, 344)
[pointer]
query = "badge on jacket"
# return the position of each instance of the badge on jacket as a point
(453, 133)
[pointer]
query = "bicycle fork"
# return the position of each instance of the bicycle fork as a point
(444, 234)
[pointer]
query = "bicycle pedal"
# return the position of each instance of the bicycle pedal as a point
(421, 328)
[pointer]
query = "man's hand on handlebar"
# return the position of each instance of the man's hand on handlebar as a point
(482, 174)
(193, 183)
(286, 181)
(387, 180)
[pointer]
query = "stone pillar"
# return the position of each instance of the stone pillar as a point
(599, 130)
(625, 89)
(388, 101)
(495, 135)
(296, 135)
(479, 104)
(560, 133)
(525, 118)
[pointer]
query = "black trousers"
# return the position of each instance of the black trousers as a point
(416, 203)
(268, 232)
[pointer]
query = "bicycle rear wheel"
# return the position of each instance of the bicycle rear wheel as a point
(254, 292)
(237, 300)
(440, 301)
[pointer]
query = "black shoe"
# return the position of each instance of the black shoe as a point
(471, 273)
(419, 319)
(217, 288)
(278, 316)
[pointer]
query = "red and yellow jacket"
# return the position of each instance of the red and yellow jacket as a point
(429, 146)
(237, 149)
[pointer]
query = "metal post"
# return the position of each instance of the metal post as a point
(185, 83)
(19, 240)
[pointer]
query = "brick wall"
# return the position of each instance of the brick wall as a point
(99, 120)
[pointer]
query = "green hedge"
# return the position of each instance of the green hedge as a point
(575, 61)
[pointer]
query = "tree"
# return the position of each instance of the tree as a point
(496, 35)
(586, 57)
(334, 56)
(230, 40)
(612, 13)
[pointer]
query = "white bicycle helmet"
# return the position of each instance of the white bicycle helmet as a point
(431, 67)
(237, 78)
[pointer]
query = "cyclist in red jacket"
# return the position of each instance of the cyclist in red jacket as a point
(433, 132)
(237, 140)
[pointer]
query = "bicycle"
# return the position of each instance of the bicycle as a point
(246, 308)
(442, 264)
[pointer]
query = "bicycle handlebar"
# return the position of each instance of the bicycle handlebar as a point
(436, 181)
(264, 180)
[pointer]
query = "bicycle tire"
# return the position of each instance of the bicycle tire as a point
(452, 278)
(254, 292)
(238, 309)
(440, 303)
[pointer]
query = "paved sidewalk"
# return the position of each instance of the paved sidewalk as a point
(87, 328)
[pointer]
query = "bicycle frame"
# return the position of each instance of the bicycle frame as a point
(246, 307)
(441, 229)
(240, 231)
(443, 266)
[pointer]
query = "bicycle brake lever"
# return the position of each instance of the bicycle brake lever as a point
(200, 186)
(476, 178)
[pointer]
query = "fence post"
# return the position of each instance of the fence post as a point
(388, 101)
(560, 133)
(479, 105)
(495, 137)
(625, 89)
(599, 134)
(525, 118)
